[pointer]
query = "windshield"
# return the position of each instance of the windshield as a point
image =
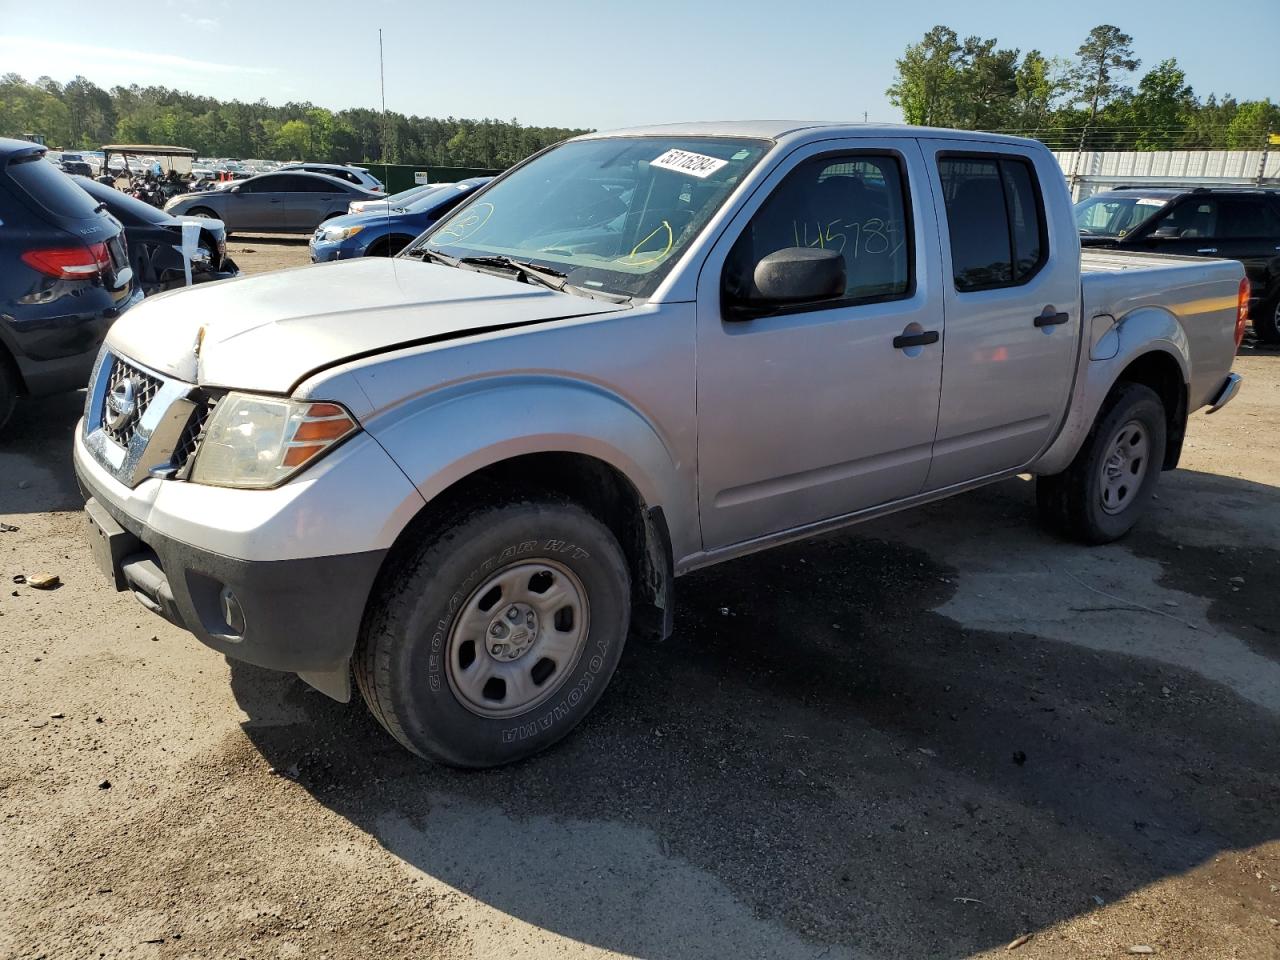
(401, 198)
(1110, 216)
(612, 214)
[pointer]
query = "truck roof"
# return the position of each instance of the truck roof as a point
(805, 130)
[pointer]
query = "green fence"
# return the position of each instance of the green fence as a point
(402, 176)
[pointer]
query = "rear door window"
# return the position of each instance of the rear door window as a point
(318, 184)
(51, 189)
(995, 220)
(1247, 218)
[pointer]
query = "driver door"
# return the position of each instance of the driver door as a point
(818, 410)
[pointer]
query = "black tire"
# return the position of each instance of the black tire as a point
(1071, 503)
(1266, 325)
(9, 388)
(388, 246)
(405, 664)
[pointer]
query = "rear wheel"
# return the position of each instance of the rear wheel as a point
(1105, 490)
(492, 638)
(1266, 326)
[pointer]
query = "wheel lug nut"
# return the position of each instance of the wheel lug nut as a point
(513, 614)
(496, 649)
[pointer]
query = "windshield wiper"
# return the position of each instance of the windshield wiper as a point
(426, 253)
(547, 276)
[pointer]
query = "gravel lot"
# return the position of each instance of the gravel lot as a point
(921, 738)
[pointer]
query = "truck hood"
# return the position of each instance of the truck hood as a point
(269, 332)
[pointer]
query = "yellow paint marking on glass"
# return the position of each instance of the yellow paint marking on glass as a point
(671, 239)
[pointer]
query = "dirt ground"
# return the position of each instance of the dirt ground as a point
(924, 737)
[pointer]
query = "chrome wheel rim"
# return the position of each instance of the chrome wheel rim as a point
(1124, 467)
(517, 638)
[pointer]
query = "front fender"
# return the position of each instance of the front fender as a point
(1145, 330)
(444, 436)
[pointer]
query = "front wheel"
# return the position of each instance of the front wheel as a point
(1105, 490)
(492, 638)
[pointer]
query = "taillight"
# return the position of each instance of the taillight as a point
(1242, 310)
(69, 263)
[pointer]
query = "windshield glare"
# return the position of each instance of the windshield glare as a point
(1115, 216)
(612, 214)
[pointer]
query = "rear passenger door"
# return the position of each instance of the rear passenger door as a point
(313, 198)
(1011, 268)
(1249, 231)
(259, 204)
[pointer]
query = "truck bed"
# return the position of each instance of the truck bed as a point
(1201, 293)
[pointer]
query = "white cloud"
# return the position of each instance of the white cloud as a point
(16, 49)
(204, 23)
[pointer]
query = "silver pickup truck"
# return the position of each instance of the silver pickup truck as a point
(464, 475)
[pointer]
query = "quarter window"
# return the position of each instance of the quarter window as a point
(995, 220)
(855, 204)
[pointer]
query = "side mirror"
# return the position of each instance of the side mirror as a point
(792, 275)
(235, 189)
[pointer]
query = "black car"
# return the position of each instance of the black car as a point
(1237, 223)
(155, 242)
(64, 276)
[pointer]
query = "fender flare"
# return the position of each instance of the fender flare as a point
(479, 423)
(1145, 331)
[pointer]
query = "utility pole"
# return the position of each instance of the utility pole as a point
(382, 84)
(1267, 140)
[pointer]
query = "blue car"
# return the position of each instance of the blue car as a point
(386, 233)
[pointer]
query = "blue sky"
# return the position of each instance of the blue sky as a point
(601, 64)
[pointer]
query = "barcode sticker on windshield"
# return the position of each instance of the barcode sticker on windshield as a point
(695, 164)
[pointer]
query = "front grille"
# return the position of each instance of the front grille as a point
(192, 434)
(120, 418)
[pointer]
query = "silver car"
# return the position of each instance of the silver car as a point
(360, 176)
(272, 202)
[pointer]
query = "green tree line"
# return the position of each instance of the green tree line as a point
(974, 84)
(80, 114)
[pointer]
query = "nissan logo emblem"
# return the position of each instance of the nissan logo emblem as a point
(122, 402)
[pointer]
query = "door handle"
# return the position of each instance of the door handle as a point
(1051, 319)
(905, 340)
(1207, 250)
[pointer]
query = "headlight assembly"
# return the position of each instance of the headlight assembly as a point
(258, 442)
(341, 233)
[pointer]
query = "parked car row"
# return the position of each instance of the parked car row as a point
(76, 252)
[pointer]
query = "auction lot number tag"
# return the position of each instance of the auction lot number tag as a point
(682, 161)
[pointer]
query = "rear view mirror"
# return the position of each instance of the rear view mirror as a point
(800, 275)
(790, 276)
